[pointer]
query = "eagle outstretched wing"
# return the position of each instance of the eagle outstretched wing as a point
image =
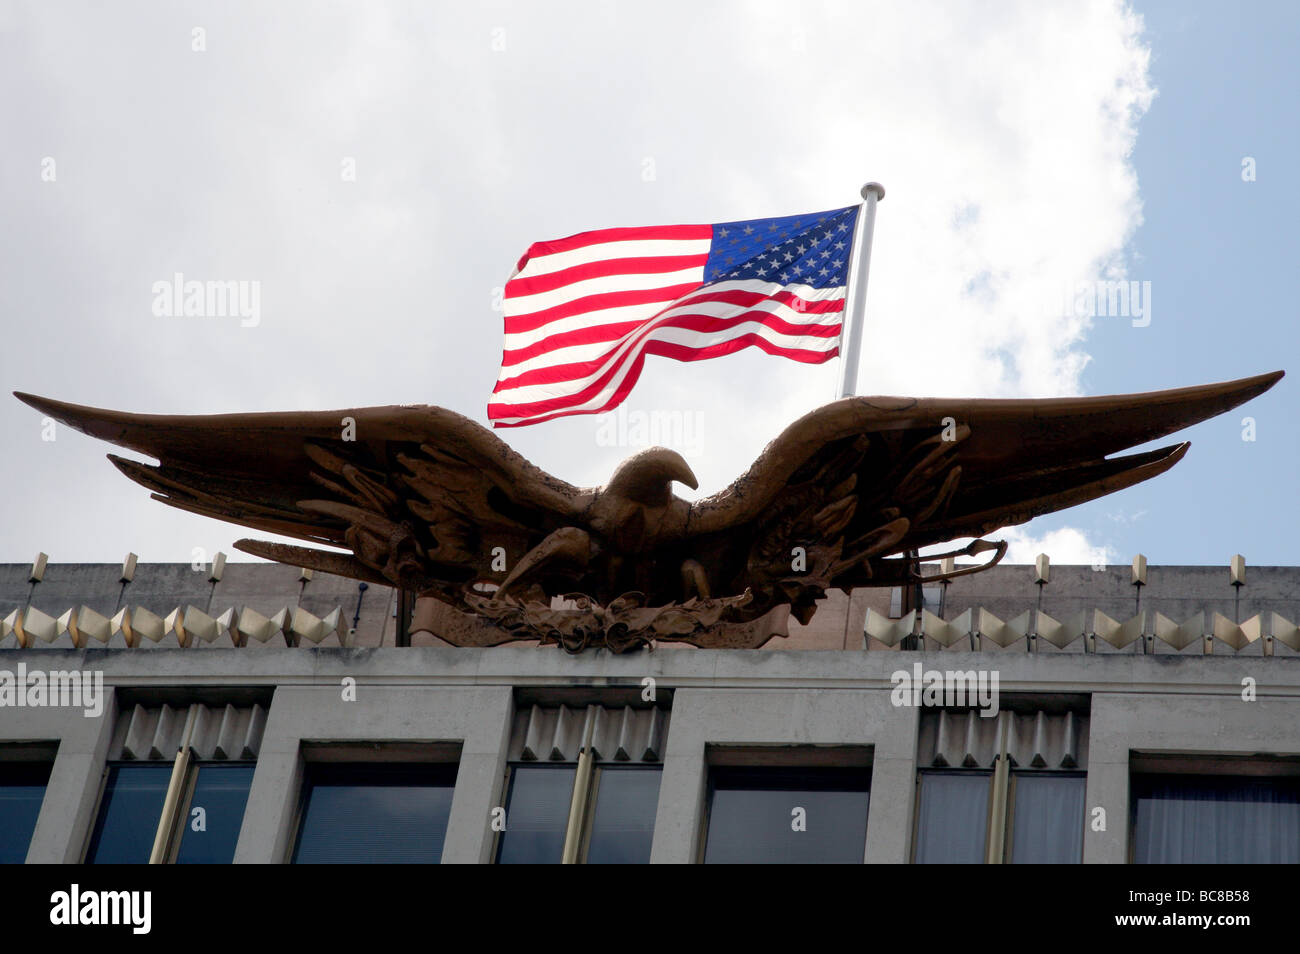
(430, 501)
(422, 496)
(861, 479)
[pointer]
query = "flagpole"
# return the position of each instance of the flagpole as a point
(856, 306)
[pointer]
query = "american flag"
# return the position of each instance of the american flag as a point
(582, 313)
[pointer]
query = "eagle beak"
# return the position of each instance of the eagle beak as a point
(681, 472)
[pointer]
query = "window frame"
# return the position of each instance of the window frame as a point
(105, 775)
(759, 759)
(186, 802)
(1018, 773)
(1198, 766)
(593, 797)
(507, 791)
(32, 753)
(312, 752)
(590, 799)
(1007, 818)
(171, 823)
(990, 807)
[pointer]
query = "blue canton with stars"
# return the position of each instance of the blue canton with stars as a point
(794, 250)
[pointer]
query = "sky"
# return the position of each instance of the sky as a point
(378, 168)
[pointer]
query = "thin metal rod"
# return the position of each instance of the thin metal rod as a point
(856, 306)
(577, 809)
(998, 802)
(163, 837)
(581, 795)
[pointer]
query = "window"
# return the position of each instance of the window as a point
(583, 781)
(1216, 819)
(953, 818)
(1047, 818)
(537, 814)
(177, 780)
(203, 828)
(22, 790)
(932, 595)
(128, 813)
(1043, 823)
(766, 815)
(615, 826)
(1004, 789)
(623, 823)
(374, 812)
(210, 823)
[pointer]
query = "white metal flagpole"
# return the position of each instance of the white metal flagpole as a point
(856, 305)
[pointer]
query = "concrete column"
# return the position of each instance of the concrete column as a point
(480, 778)
(889, 816)
(1107, 789)
(67, 812)
(681, 796)
(273, 796)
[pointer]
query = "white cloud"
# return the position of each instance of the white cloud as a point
(1002, 133)
(1127, 517)
(1067, 546)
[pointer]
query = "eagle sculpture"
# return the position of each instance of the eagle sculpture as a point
(496, 549)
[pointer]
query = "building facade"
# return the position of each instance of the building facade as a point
(253, 713)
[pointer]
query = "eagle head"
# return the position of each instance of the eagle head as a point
(647, 477)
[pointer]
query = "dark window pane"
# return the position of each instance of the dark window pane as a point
(222, 792)
(362, 812)
(1201, 819)
(623, 823)
(1048, 826)
(537, 814)
(129, 813)
(952, 823)
(22, 789)
(751, 816)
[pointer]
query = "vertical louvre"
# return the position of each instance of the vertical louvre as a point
(1037, 739)
(221, 733)
(618, 733)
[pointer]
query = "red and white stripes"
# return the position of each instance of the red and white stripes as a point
(581, 314)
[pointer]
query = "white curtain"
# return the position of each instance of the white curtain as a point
(1216, 820)
(953, 823)
(1048, 812)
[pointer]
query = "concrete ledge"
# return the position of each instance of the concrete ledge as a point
(449, 666)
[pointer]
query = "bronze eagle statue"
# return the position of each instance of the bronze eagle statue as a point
(427, 500)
